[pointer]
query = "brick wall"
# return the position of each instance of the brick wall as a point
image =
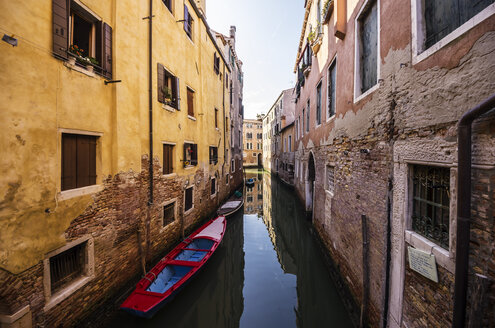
(117, 220)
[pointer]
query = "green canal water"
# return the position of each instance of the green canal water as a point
(268, 272)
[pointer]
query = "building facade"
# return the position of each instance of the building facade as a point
(382, 86)
(253, 142)
(279, 116)
(234, 85)
(287, 155)
(103, 175)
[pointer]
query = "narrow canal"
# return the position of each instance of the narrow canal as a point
(268, 272)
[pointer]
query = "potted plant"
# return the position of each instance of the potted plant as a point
(167, 95)
(327, 9)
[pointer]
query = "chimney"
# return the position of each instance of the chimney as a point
(232, 32)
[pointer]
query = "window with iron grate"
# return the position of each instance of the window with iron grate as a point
(67, 266)
(168, 214)
(431, 203)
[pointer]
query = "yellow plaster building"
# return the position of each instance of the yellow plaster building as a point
(89, 94)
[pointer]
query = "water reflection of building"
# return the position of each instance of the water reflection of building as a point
(297, 254)
(254, 194)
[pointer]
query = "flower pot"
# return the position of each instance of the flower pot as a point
(89, 68)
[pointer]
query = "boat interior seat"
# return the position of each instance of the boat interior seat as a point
(167, 278)
(190, 255)
(201, 243)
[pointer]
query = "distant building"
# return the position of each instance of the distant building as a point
(234, 84)
(286, 157)
(253, 142)
(280, 115)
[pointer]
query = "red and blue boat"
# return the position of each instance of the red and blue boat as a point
(160, 285)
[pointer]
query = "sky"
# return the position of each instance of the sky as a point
(267, 39)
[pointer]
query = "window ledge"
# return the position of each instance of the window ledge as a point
(72, 193)
(170, 175)
(189, 167)
(66, 292)
(191, 117)
(79, 69)
(189, 210)
(367, 93)
(169, 108)
(10, 319)
(441, 255)
(331, 118)
(213, 196)
(329, 193)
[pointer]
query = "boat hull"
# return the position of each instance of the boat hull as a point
(162, 283)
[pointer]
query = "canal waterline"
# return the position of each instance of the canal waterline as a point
(268, 272)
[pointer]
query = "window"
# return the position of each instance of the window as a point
(216, 63)
(190, 154)
(259, 135)
(302, 127)
(213, 189)
(188, 199)
(318, 104)
(367, 48)
(188, 22)
(232, 166)
(168, 87)
(168, 214)
(213, 155)
(67, 267)
(227, 179)
(168, 159)
(168, 4)
(332, 74)
(431, 203)
(260, 196)
(190, 102)
(307, 116)
(78, 34)
(249, 199)
(441, 17)
(290, 143)
(330, 178)
(216, 118)
(254, 154)
(78, 161)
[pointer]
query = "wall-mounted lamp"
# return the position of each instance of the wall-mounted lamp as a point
(10, 40)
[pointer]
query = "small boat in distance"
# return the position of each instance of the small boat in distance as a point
(166, 279)
(232, 205)
(250, 182)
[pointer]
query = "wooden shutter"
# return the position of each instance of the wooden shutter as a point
(190, 102)
(189, 198)
(160, 77)
(99, 46)
(369, 43)
(60, 12)
(167, 159)
(184, 159)
(107, 51)
(86, 161)
(186, 20)
(69, 170)
(176, 84)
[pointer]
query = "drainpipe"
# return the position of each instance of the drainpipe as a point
(223, 107)
(150, 99)
(464, 208)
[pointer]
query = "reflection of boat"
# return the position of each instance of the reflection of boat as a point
(232, 205)
(250, 182)
(166, 279)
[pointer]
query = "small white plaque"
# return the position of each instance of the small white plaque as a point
(423, 263)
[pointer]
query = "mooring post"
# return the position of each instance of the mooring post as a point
(366, 280)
